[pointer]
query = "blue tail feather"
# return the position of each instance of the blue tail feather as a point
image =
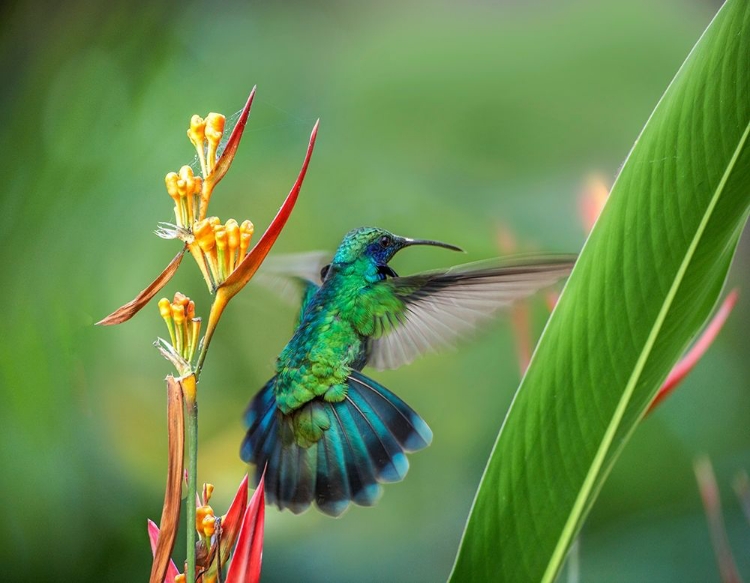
(366, 445)
(363, 485)
(408, 427)
(389, 459)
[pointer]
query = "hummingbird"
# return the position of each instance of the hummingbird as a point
(324, 432)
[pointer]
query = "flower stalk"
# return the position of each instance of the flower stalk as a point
(223, 255)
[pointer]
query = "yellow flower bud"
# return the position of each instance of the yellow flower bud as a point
(178, 313)
(181, 299)
(246, 234)
(214, 127)
(208, 490)
(209, 525)
(171, 180)
(165, 308)
(204, 520)
(214, 130)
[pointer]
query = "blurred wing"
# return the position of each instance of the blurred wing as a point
(294, 276)
(437, 308)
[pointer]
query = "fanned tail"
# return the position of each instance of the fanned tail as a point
(371, 431)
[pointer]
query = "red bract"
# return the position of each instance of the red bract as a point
(252, 261)
(686, 364)
(248, 555)
(239, 534)
(153, 537)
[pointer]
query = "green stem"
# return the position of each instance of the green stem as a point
(191, 406)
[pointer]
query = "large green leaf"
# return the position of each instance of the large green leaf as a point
(645, 282)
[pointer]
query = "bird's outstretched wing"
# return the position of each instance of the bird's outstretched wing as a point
(294, 277)
(435, 309)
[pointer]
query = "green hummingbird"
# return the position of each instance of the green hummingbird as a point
(323, 431)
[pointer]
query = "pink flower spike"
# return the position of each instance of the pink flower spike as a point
(153, 537)
(246, 561)
(696, 352)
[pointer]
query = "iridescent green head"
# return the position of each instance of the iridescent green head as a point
(378, 245)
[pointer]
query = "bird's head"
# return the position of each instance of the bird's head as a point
(378, 245)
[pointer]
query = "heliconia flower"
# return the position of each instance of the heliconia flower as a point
(224, 259)
(222, 247)
(238, 535)
(248, 554)
(696, 352)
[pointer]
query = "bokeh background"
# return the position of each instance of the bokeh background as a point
(439, 120)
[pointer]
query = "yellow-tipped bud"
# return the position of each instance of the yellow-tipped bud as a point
(179, 578)
(233, 233)
(178, 313)
(171, 181)
(184, 330)
(181, 299)
(165, 308)
(247, 227)
(208, 490)
(213, 221)
(246, 234)
(209, 526)
(220, 234)
(197, 130)
(186, 183)
(197, 135)
(233, 241)
(204, 235)
(205, 520)
(214, 130)
(214, 127)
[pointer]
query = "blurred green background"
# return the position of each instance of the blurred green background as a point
(438, 120)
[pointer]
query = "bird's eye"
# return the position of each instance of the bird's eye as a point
(324, 272)
(385, 241)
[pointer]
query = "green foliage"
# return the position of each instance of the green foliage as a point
(645, 282)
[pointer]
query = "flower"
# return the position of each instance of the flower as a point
(237, 534)
(224, 259)
(184, 330)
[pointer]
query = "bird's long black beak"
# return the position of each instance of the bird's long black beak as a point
(407, 242)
